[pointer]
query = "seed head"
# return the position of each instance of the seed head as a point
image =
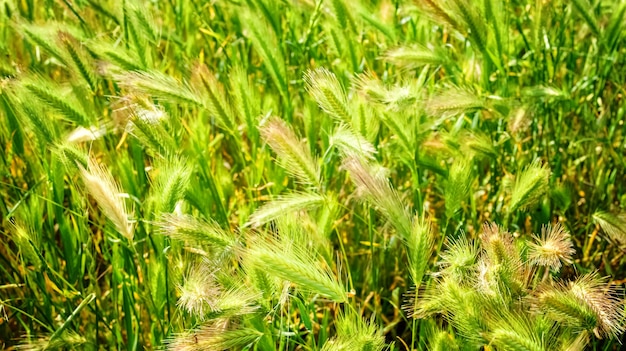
(552, 248)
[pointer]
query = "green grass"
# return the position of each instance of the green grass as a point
(312, 175)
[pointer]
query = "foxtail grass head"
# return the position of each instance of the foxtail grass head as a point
(292, 262)
(458, 185)
(372, 184)
(109, 196)
(215, 335)
(584, 304)
(292, 154)
(412, 57)
(491, 296)
(328, 93)
(529, 188)
(65, 340)
(614, 225)
(355, 333)
(553, 248)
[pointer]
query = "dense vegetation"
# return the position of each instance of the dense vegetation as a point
(312, 175)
